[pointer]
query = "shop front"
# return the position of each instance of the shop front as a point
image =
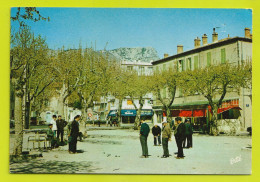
(128, 116)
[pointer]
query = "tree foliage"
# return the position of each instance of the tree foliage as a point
(214, 82)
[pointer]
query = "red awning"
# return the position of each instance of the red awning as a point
(221, 110)
(199, 113)
(189, 113)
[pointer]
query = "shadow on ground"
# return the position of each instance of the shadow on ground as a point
(55, 167)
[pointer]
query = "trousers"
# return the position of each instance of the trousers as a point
(143, 141)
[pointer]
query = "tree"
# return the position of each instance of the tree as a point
(118, 86)
(164, 86)
(214, 82)
(28, 54)
(21, 42)
(138, 87)
(98, 72)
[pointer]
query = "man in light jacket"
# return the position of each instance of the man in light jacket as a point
(166, 137)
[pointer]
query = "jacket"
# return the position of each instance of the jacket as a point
(179, 132)
(156, 131)
(166, 131)
(188, 129)
(145, 129)
(74, 129)
(50, 134)
(61, 124)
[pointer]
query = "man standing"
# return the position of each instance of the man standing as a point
(156, 130)
(74, 133)
(54, 125)
(60, 128)
(144, 132)
(166, 137)
(189, 133)
(179, 133)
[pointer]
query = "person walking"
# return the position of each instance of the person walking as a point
(54, 125)
(166, 137)
(144, 132)
(60, 128)
(179, 134)
(156, 130)
(74, 133)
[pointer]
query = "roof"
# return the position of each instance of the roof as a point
(221, 42)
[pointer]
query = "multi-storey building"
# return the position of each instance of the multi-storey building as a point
(128, 111)
(236, 108)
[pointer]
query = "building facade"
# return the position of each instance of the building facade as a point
(237, 108)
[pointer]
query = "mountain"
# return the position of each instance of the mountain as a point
(143, 54)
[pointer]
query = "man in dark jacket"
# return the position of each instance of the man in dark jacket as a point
(188, 134)
(156, 130)
(60, 128)
(179, 134)
(144, 132)
(74, 133)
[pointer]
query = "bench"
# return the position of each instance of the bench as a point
(38, 139)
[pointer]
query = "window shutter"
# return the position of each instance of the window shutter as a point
(209, 58)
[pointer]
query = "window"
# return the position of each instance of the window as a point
(164, 67)
(209, 59)
(157, 69)
(180, 65)
(188, 64)
(196, 62)
(180, 92)
(223, 55)
(141, 69)
(129, 68)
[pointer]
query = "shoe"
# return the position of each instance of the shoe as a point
(177, 157)
(164, 156)
(142, 156)
(70, 152)
(146, 156)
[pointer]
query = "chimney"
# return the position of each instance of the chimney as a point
(165, 55)
(179, 49)
(214, 36)
(196, 42)
(204, 39)
(247, 33)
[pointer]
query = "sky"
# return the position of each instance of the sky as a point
(112, 28)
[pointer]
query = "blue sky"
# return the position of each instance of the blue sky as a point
(162, 29)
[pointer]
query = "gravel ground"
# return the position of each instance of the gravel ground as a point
(119, 151)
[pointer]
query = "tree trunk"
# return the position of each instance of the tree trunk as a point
(214, 124)
(168, 114)
(138, 117)
(18, 117)
(119, 111)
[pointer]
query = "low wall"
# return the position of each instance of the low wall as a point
(229, 126)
